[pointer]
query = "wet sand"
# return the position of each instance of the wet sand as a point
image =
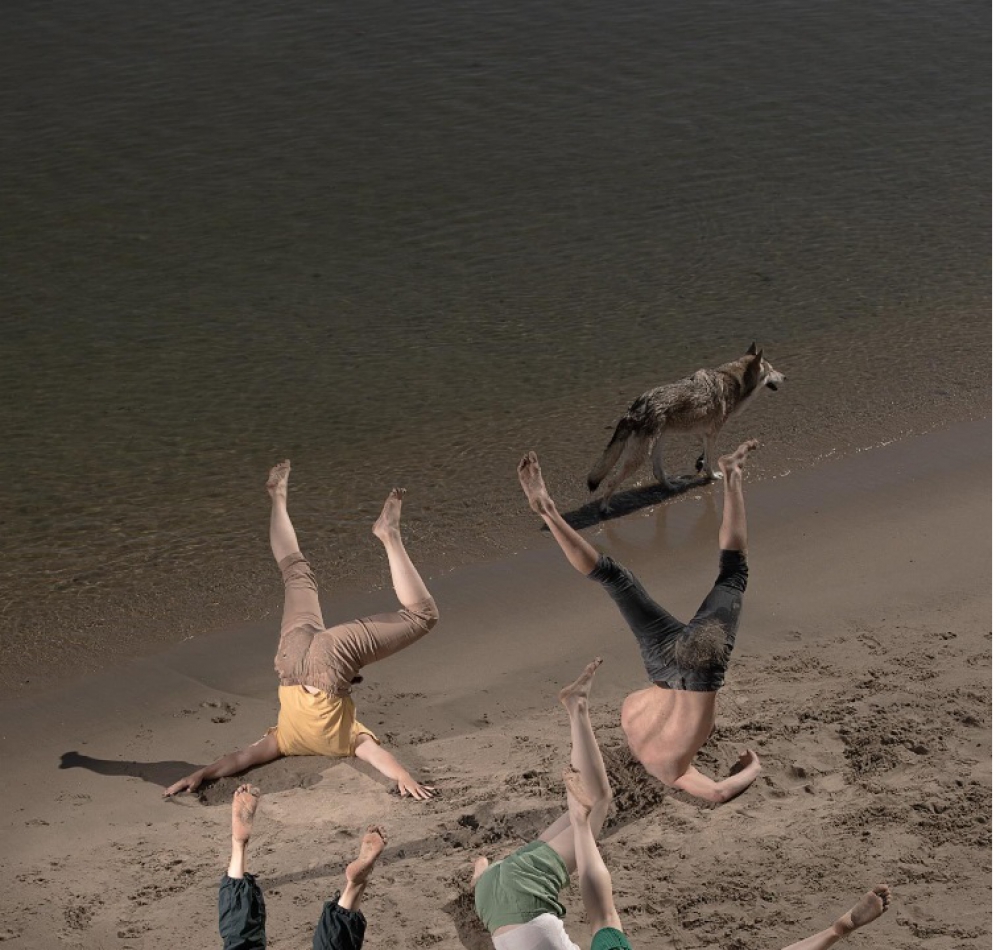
(861, 676)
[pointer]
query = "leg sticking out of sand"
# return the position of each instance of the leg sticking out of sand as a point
(686, 714)
(242, 913)
(870, 907)
(354, 645)
(590, 780)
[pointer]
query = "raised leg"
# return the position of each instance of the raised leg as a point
(587, 760)
(245, 800)
(582, 555)
(733, 531)
(283, 539)
(595, 879)
(406, 581)
(242, 915)
(301, 594)
(359, 870)
(871, 906)
(342, 925)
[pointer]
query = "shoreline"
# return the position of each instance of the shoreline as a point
(842, 559)
(69, 647)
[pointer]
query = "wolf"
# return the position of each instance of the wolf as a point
(700, 404)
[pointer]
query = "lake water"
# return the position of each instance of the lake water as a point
(403, 243)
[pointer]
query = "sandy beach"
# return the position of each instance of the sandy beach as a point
(861, 677)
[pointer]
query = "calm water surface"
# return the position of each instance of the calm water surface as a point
(401, 245)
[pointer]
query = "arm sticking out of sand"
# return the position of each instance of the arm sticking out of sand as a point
(382, 759)
(261, 752)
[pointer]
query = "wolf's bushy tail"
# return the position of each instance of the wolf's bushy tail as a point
(611, 454)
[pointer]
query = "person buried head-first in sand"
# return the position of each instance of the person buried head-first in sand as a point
(667, 723)
(317, 665)
(242, 913)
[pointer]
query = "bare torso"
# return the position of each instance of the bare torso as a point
(665, 728)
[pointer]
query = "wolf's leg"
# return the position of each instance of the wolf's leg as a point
(708, 454)
(636, 451)
(658, 470)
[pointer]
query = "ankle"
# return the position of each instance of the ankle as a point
(842, 926)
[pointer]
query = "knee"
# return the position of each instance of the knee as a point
(425, 614)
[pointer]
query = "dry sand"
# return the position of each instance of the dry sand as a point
(861, 676)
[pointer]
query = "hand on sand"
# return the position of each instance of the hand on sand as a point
(410, 786)
(189, 784)
(748, 762)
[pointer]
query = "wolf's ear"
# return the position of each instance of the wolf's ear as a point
(754, 366)
(753, 350)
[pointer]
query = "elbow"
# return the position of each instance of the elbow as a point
(717, 795)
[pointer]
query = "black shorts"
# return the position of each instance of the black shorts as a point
(658, 632)
(242, 917)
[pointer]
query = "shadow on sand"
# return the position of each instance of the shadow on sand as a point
(632, 500)
(280, 776)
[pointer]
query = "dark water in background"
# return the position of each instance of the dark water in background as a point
(404, 243)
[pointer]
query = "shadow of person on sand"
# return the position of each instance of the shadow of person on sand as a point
(631, 500)
(279, 776)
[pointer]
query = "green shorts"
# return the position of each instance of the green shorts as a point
(521, 887)
(607, 938)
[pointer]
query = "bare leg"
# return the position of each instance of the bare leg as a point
(578, 552)
(406, 581)
(587, 760)
(283, 539)
(360, 869)
(733, 532)
(479, 866)
(245, 800)
(871, 906)
(595, 879)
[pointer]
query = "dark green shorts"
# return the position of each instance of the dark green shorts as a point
(607, 938)
(521, 887)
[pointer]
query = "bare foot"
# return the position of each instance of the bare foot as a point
(733, 464)
(479, 866)
(871, 906)
(245, 800)
(530, 474)
(579, 800)
(360, 869)
(579, 690)
(387, 526)
(277, 481)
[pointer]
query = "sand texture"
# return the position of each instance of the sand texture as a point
(861, 677)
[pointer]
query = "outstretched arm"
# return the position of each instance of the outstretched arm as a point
(368, 750)
(264, 750)
(871, 906)
(701, 786)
